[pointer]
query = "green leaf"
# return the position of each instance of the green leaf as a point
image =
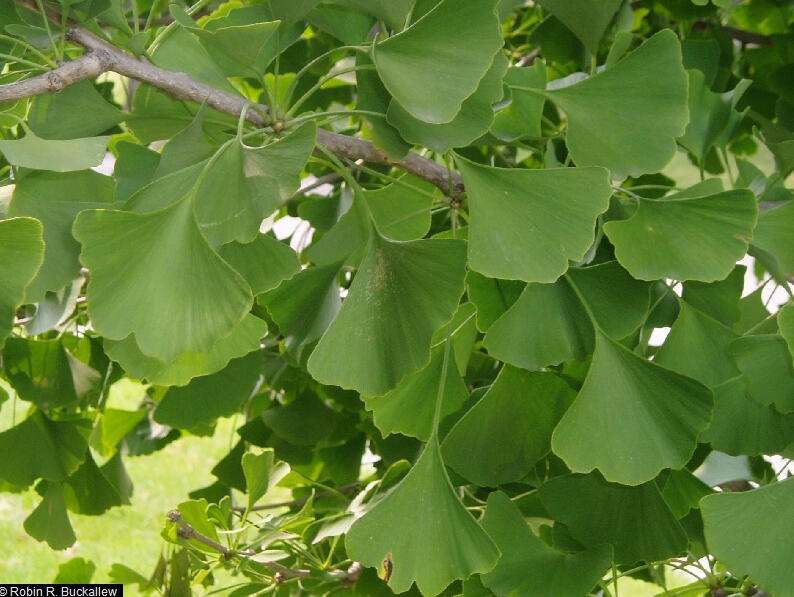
(761, 428)
(640, 136)
(472, 121)
(713, 118)
(765, 363)
(527, 224)
(245, 45)
(93, 490)
(682, 492)
(44, 448)
(243, 338)
(697, 347)
(206, 398)
(264, 262)
(523, 115)
(55, 200)
(305, 421)
(304, 306)
(62, 115)
(491, 296)
(667, 412)
(49, 521)
(182, 52)
(588, 19)
(719, 299)
(135, 168)
(435, 64)
(424, 529)
(409, 408)
(373, 97)
(785, 320)
(530, 567)
(392, 12)
(636, 521)
(399, 211)
(699, 238)
(548, 324)
(22, 253)
(187, 148)
(76, 570)
(160, 296)
(400, 295)
(766, 514)
(291, 11)
(774, 232)
(46, 374)
(61, 155)
(261, 473)
(500, 438)
(243, 185)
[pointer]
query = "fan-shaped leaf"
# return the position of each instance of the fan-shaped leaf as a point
(588, 19)
(179, 296)
(49, 521)
(21, 255)
(767, 515)
(527, 224)
(766, 364)
(627, 117)
(400, 295)
(435, 64)
(61, 155)
(501, 437)
(667, 412)
(698, 238)
(530, 567)
(424, 529)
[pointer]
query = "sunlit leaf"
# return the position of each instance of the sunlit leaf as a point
(667, 412)
(527, 224)
(435, 64)
(61, 155)
(424, 529)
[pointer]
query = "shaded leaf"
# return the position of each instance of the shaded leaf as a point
(49, 521)
(588, 19)
(636, 521)
(500, 438)
(530, 567)
(774, 233)
(491, 296)
(399, 211)
(523, 115)
(62, 115)
(766, 364)
(264, 262)
(21, 255)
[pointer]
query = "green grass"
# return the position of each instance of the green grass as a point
(130, 534)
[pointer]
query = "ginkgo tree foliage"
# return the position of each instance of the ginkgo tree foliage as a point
(450, 366)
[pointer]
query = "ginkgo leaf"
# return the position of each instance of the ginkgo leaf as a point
(179, 296)
(527, 224)
(474, 119)
(530, 567)
(242, 185)
(60, 155)
(500, 438)
(785, 321)
(588, 19)
(774, 232)
(718, 299)
(409, 408)
(667, 412)
(188, 147)
(697, 347)
(491, 296)
(55, 199)
(44, 448)
(522, 116)
(636, 521)
(767, 515)
(264, 262)
(49, 521)
(206, 398)
(401, 294)
(243, 338)
(21, 255)
(245, 45)
(548, 323)
(764, 430)
(304, 306)
(401, 211)
(424, 529)
(650, 88)
(437, 62)
(766, 364)
(698, 238)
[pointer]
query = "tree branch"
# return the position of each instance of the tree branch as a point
(106, 57)
(187, 531)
